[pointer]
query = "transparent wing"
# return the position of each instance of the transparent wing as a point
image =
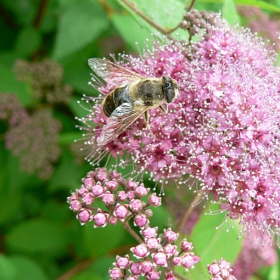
(112, 73)
(118, 122)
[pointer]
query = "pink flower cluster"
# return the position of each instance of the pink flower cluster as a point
(156, 252)
(220, 270)
(222, 130)
(122, 198)
(256, 252)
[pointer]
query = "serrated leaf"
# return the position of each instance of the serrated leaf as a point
(229, 12)
(38, 236)
(80, 23)
(27, 269)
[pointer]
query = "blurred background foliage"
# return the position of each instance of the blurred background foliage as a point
(44, 49)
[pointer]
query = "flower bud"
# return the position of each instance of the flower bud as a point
(154, 200)
(84, 216)
(140, 251)
(170, 236)
(108, 198)
(100, 219)
(141, 220)
(97, 190)
(111, 185)
(122, 262)
(121, 212)
(115, 273)
(160, 259)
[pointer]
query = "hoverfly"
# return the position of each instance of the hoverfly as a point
(133, 96)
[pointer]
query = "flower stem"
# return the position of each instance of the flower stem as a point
(187, 213)
(132, 232)
(133, 7)
(191, 5)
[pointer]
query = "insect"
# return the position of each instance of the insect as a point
(133, 96)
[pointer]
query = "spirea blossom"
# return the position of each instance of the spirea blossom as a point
(222, 130)
(152, 255)
(264, 24)
(256, 253)
(120, 198)
(112, 193)
(45, 79)
(220, 270)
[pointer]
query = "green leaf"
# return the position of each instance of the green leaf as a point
(69, 137)
(212, 244)
(19, 179)
(29, 40)
(76, 69)
(162, 12)
(38, 236)
(161, 217)
(99, 241)
(7, 269)
(55, 211)
(257, 3)
(273, 272)
(78, 109)
(9, 205)
(87, 275)
(67, 175)
(131, 31)
(27, 269)
(97, 271)
(229, 12)
(254, 3)
(10, 84)
(80, 23)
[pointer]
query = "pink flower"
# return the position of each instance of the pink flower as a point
(140, 251)
(115, 273)
(84, 216)
(257, 251)
(221, 270)
(223, 129)
(160, 259)
(121, 212)
(100, 219)
(122, 262)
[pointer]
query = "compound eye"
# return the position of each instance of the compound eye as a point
(168, 89)
(168, 85)
(170, 95)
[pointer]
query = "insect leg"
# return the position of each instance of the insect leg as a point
(147, 119)
(164, 110)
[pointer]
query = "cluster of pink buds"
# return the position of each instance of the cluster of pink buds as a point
(155, 253)
(220, 270)
(122, 199)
